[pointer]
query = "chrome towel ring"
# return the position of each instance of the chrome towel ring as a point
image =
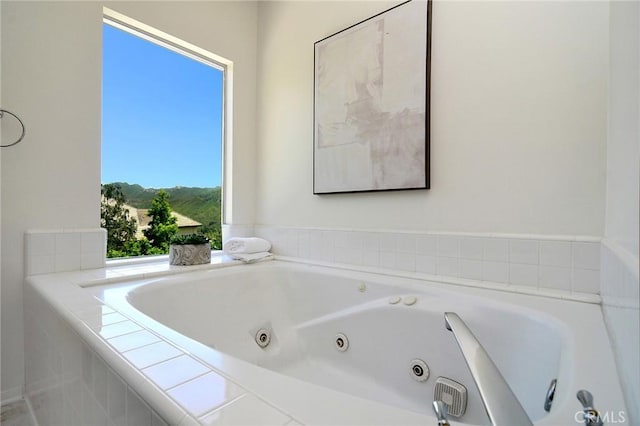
(2, 113)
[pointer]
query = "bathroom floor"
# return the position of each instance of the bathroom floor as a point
(16, 414)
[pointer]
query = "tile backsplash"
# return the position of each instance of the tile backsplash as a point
(561, 263)
(570, 264)
(61, 250)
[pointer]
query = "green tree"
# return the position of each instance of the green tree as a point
(163, 225)
(114, 217)
(213, 230)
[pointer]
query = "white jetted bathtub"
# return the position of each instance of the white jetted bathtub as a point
(339, 341)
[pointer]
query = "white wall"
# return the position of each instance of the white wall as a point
(518, 120)
(624, 135)
(619, 263)
(51, 76)
(51, 73)
(1, 142)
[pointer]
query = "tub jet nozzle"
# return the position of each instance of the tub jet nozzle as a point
(263, 338)
(341, 342)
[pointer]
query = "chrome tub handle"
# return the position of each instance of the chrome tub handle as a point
(502, 406)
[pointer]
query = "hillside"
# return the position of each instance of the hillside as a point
(200, 204)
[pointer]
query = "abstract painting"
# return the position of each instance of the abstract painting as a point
(371, 103)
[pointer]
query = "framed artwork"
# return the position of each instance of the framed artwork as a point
(371, 103)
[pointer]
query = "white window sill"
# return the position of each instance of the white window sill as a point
(137, 260)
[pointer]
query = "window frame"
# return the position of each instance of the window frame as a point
(179, 46)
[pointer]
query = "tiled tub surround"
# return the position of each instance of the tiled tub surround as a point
(542, 263)
(60, 250)
(87, 364)
(620, 299)
(67, 381)
(94, 364)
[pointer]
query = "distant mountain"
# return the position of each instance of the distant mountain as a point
(200, 204)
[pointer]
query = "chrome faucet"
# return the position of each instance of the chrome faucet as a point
(501, 405)
(551, 393)
(591, 415)
(441, 413)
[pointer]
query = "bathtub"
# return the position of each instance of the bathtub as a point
(342, 343)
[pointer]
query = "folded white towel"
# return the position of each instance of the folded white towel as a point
(252, 257)
(246, 245)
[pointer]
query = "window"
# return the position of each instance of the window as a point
(163, 133)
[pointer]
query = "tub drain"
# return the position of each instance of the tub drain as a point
(342, 343)
(263, 337)
(419, 370)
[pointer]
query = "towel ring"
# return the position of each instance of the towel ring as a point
(2, 113)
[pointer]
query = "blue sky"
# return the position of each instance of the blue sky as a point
(161, 115)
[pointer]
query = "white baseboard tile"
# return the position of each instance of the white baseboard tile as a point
(12, 395)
